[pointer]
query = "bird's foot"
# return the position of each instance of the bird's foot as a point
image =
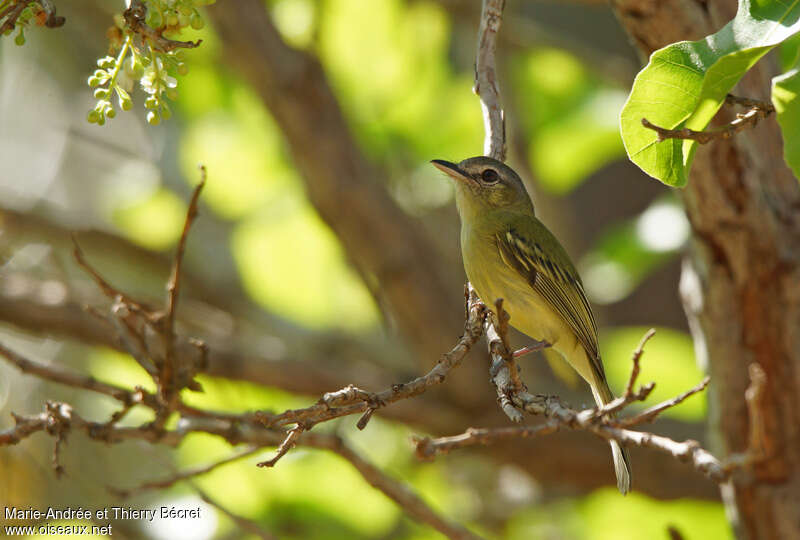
(537, 346)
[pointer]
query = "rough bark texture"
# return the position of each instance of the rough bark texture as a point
(742, 285)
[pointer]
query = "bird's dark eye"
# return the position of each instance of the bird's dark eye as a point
(489, 176)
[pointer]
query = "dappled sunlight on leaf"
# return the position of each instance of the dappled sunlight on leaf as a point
(293, 264)
(627, 252)
(394, 79)
(608, 515)
(572, 120)
(243, 154)
(295, 20)
(155, 222)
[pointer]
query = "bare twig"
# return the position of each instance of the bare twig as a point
(168, 389)
(52, 373)
(648, 415)
(353, 400)
(185, 474)
(637, 356)
(600, 423)
(287, 444)
(58, 416)
(486, 86)
(245, 524)
(757, 110)
(173, 286)
(109, 290)
(732, 100)
(400, 493)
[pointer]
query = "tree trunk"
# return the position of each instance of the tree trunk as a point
(741, 282)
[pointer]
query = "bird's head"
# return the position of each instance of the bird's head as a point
(484, 184)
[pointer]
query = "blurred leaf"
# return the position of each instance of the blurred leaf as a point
(565, 153)
(295, 21)
(291, 262)
(684, 85)
(240, 396)
(243, 154)
(610, 516)
(668, 360)
(394, 81)
(320, 482)
(789, 53)
(111, 366)
(785, 97)
(573, 119)
(558, 520)
(626, 253)
(155, 222)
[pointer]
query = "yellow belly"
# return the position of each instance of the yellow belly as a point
(529, 312)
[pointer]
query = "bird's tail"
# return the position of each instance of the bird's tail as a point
(622, 463)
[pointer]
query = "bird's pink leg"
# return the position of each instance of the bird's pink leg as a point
(537, 346)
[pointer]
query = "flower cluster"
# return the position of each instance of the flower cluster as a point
(144, 55)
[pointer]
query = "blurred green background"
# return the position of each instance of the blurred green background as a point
(402, 72)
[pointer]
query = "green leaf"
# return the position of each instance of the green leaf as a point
(785, 93)
(684, 84)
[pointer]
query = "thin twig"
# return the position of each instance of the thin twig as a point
(353, 400)
(601, 422)
(486, 86)
(650, 414)
(173, 285)
(168, 389)
(637, 356)
(287, 444)
(245, 524)
(109, 290)
(58, 375)
(400, 493)
(732, 100)
(757, 110)
(185, 474)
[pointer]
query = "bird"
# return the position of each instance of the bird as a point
(508, 253)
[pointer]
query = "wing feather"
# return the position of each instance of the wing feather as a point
(560, 287)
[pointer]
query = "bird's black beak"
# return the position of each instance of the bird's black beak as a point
(452, 170)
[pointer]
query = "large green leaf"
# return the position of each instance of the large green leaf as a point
(685, 84)
(786, 98)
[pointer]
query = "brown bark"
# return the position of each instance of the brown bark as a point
(742, 286)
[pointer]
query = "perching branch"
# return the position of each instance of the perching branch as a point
(757, 110)
(599, 421)
(352, 400)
